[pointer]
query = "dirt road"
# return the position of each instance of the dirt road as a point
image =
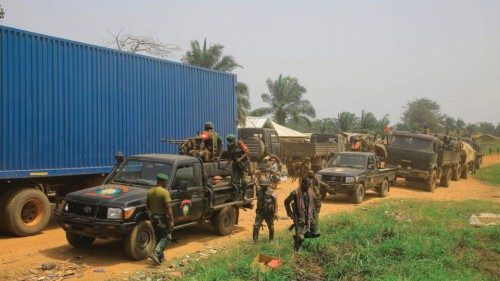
(21, 258)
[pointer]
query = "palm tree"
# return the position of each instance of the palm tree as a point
(368, 122)
(285, 101)
(459, 126)
(210, 57)
(243, 101)
(346, 121)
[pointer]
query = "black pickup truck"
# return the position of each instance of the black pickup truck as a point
(117, 208)
(355, 172)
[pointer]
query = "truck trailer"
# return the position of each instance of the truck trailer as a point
(67, 107)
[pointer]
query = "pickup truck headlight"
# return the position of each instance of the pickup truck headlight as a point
(65, 206)
(115, 213)
(350, 179)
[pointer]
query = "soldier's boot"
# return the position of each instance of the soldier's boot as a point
(271, 234)
(255, 235)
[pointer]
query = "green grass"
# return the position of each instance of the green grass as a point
(490, 174)
(395, 240)
(491, 147)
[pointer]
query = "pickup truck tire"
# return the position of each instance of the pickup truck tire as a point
(383, 189)
(430, 182)
(141, 241)
(455, 173)
(225, 220)
(358, 194)
(79, 241)
(445, 178)
(27, 212)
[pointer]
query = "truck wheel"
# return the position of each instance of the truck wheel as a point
(455, 173)
(465, 171)
(358, 194)
(225, 220)
(383, 188)
(4, 196)
(141, 241)
(445, 178)
(79, 241)
(430, 182)
(27, 212)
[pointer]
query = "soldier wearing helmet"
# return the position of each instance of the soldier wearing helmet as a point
(301, 168)
(212, 143)
(267, 209)
(238, 156)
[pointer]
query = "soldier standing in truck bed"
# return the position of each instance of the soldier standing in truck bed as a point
(238, 156)
(212, 143)
(267, 209)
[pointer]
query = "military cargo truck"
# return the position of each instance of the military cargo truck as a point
(423, 158)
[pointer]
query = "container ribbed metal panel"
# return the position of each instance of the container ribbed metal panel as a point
(67, 107)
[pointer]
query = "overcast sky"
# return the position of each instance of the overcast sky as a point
(350, 55)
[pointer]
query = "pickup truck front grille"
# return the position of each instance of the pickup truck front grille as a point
(329, 178)
(82, 209)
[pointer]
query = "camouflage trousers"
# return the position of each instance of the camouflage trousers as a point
(259, 217)
(163, 234)
(315, 220)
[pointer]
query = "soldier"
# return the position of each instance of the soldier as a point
(317, 186)
(160, 212)
(301, 168)
(212, 143)
(238, 155)
(267, 209)
(300, 207)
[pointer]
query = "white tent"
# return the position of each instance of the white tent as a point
(263, 122)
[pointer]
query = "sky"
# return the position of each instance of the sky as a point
(349, 55)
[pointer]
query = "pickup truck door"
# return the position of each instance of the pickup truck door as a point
(372, 171)
(188, 188)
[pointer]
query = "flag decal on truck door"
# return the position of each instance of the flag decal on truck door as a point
(185, 206)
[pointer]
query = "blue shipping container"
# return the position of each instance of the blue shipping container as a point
(67, 107)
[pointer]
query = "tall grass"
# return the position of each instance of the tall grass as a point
(490, 174)
(395, 240)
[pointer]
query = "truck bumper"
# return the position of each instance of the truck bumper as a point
(94, 227)
(337, 187)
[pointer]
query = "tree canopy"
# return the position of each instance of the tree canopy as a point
(420, 112)
(346, 121)
(2, 12)
(285, 101)
(211, 57)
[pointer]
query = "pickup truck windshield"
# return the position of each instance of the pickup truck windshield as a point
(411, 143)
(350, 161)
(142, 172)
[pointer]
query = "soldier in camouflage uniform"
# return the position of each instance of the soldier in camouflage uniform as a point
(300, 207)
(238, 155)
(212, 143)
(267, 209)
(317, 186)
(301, 168)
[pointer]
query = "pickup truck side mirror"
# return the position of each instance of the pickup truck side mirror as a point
(183, 186)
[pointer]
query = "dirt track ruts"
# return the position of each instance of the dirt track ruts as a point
(20, 254)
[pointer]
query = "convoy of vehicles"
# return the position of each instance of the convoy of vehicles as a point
(117, 208)
(354, 173)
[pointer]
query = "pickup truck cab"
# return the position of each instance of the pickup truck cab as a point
(355, 172)
(118, 207)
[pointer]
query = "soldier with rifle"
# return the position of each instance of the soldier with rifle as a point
(300, 207)
(301, 168)
(238, 156)
(212, 143)
(316, 186)
(267, 209)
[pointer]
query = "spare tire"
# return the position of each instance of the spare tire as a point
(26, 212)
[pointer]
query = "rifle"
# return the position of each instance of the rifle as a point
(297, 244)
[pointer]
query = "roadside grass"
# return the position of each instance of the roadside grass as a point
(489, 174)
(491, 148)
(393, 240)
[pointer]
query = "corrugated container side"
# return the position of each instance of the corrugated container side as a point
(67, 107)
